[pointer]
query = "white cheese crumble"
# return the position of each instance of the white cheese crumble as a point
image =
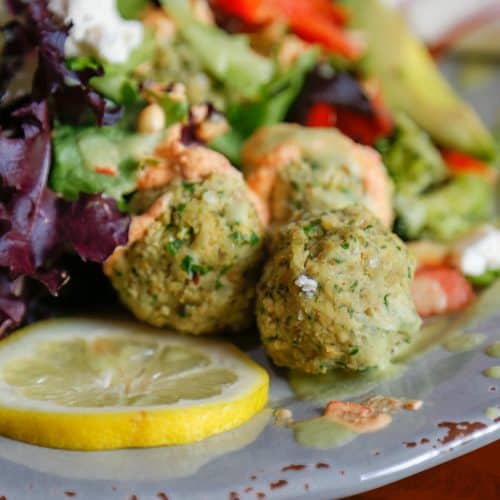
(307, 285)
(98, 29)
(478, 252)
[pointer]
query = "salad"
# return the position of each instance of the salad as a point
(301, 165)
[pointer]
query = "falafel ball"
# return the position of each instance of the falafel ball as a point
(336, 293)
(293, 168)
(195, 266)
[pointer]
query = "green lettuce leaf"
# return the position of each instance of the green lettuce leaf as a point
(78, 153)
(131, 9)
(269, 107)
(228, 58)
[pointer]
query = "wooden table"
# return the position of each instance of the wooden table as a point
(470, 477)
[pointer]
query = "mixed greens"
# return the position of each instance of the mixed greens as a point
(73, 151)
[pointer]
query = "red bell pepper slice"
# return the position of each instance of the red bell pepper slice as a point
(321, 115)
(461, 163)
(316, 21)
(362, 128)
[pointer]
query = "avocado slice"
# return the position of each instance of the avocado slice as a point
(411, 82)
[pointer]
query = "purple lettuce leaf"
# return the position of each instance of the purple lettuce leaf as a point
(24, 168)
(36, 226)
(93, 226)
(71, 92)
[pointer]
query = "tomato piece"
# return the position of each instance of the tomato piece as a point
(461, 163)
(321, 115)
(441, 290)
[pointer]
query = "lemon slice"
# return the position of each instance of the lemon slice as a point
(95, 385)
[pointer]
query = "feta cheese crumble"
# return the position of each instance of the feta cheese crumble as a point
(478, 253)
(307, 285)
(98, 29)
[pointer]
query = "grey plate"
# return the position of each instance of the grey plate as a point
(256, 458)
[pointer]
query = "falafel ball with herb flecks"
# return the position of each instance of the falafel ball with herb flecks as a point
(336, 293)
(293, 168)
(195, 266)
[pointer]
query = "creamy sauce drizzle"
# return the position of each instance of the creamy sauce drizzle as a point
(463, 342)
(493, 350)
(345, 421)
(322, 433)
(492, 372)
(340, 384)
(492, 413)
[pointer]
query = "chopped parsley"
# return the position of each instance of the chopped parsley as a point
(386, 300)
(241, 239)
(345, 245)
(354, 350)
(315, 225)
(174, 246)
(189, 186)
(225, 269)
(191, 268)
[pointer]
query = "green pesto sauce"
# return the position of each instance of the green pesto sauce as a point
(493, 372)
(429, 336)
(340, 384)
(493, 350)
(492, 412)
(322, 433)
(463, 342)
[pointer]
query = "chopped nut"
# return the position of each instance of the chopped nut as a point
(199, 113)
(202, 12)
(283, 416)
(142, 70)
(177, 91)
(151, 119)
(212, 128)
(162, 26)
(290, 51)
(413, 404)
